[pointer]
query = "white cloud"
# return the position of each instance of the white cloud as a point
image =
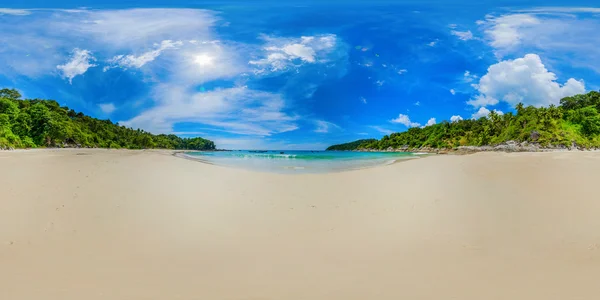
(132, 61)
(107, 108)
(468, 77)
(506, 31)
(44, 35)
(324, 126)
(456, 118)
(430, 122)
(133, 28)
(452, 91)
(402, 71)
(237, 110)
(80, 62)
(432, 44)
(452, 26)
(379, 82)
(417, 103)
(483, 112)
(463, 35)
(405, 120)
(178, 51)
(285, 53)
(561, 35)
(363, 100)
(14, 12)
(523, 80)
(300, 51)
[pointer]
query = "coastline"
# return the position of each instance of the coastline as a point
(507, 147)
(382, 164)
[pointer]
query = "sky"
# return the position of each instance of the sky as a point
(297, 75)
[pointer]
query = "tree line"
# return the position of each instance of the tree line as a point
(35, 123)
(575, 120)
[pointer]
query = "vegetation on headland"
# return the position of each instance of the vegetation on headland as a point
(350, 146)
(575, 122)
(43, 123)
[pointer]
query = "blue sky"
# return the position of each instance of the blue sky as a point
(297, 75)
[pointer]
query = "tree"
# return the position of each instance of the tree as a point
(32, 123)
(577, 118)
(11, 94)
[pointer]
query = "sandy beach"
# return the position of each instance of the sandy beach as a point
(112, 224)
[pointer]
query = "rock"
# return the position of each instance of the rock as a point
(534, 135)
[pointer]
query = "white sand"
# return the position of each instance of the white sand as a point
(146, 225)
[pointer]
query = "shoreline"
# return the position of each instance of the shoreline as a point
(383, 164)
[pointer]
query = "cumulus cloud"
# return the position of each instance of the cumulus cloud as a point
(80, 62)
(524, 80)
(107, 108)
(285, 53)
(456, 118)
(405, 120)
(430, 122)
(324, 126)
(132, 61)
(483, 112)
(463, 35)
(14, 12)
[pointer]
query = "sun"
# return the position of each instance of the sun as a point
(204, 60)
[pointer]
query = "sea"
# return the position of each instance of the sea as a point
(298, 162)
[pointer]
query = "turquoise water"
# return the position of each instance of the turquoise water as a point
(300, 161)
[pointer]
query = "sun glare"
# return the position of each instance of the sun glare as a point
(204, 60)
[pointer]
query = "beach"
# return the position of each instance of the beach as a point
(117, 224)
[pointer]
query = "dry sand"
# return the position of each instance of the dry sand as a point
(106, 224)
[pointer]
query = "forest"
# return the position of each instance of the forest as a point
(350, 146)
(575, 121)
(36, 123)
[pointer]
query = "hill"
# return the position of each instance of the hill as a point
(575, 122)
(350, 146)
(43, 123)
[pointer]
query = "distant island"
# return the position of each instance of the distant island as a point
(574, 124)
(43, 123)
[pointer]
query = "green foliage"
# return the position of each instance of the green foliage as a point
(44, 123)
(576, 120)
(350, 146)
